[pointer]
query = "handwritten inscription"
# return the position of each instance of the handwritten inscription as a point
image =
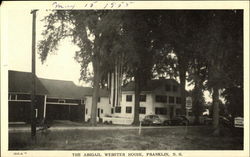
(57, 5)
(92, 5)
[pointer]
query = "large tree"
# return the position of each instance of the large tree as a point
(100, 39)
(179, 28)
(221, 40)
(141, 26)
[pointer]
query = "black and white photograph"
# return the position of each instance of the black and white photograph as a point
(107, 79)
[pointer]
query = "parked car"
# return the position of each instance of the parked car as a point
(207, 120)
(151, 120)
(179, 120)
(224, 121)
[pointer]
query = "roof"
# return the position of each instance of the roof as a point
(21, 82)
(151, 84)
(67, 89)
(87, 91)
(61, 88)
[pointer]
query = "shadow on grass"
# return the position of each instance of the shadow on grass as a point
(197, 138)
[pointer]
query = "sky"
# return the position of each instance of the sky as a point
(60, 66)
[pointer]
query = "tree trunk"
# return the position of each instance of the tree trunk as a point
(137, 100)
(197, 96)
(182, 70)
(95, 96)
(216, 111)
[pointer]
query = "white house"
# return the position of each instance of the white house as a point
(103, 105)
(161, 97)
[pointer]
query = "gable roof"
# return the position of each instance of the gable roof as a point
(67, 89)
(151, 84)
(21, 82)
(61, 88)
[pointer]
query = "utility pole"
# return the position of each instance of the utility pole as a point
(33, 94)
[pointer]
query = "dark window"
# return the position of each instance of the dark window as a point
(129, 98)
(168, 87)
(128, 109)
(190, 113)
(101, 110)
(142, 110)
(161, 98)
(82, 101)
(13, 97)
(51, 100)
(160, 110)
(86, 111)
(143, 98)
(112, 110)
(73, 101)
(99, 99)
(117, 109)
(175, 88)
(178, 111)
(178, 100)
(61, 101)
(171, 99)
(23, 97)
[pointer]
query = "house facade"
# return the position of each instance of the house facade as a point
(19, 99)
(103, 107)
(63, 100)
(55, 99)
(161, 97)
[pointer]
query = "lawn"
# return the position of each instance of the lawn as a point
(198, 138)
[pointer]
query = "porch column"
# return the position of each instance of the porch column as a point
(44, 106)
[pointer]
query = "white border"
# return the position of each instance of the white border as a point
(29, 5)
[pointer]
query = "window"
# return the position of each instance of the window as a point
(86, 111)
(178, 100)
(12, 97)
(24, 97)
(128, 109)
(61, 101)
(117, 109)
(129, 98)
(171, 99)
(142, 110)
(190, 113)
(143, 98)
(167, 87)
(175, 88)
(160, 110)
(112, 110)
(82, 101)
(99, 99)
(178, 111)
(51, 100)
(161, 98)
(101, 110)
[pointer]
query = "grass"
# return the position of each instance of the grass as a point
(198, 138)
